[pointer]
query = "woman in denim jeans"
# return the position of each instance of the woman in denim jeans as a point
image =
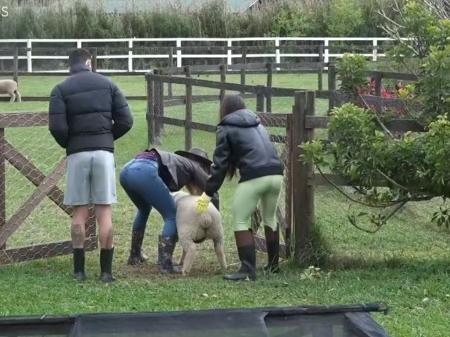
(148, 179)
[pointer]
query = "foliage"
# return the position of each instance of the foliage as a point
(345, 17)
(433, 87)
(294, 20)
(411, 168)
(351, 72)
(422, 29)
(207, 18)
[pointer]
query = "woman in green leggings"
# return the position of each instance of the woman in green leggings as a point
(243, 144)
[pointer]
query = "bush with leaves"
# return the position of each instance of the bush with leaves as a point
(386, 172)
(352, 72)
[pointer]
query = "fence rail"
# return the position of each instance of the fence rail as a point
(177, 50)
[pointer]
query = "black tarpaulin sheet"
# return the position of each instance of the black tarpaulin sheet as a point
(334, 321)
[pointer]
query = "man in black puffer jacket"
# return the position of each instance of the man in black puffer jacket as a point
(87, 113)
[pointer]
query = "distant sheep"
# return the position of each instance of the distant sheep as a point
(194, 228)
(10, 87)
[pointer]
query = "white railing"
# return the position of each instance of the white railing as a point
(229, 53)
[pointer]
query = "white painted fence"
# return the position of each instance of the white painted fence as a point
(276, 43)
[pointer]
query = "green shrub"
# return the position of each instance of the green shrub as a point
(351, 71)
(345, 18)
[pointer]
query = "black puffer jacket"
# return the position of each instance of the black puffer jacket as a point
(88, 112)
(243, 142)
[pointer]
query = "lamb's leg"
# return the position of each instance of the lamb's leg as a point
(218, 247)
(183, 256)
(191, 249)
(13, 97)
(18, 96)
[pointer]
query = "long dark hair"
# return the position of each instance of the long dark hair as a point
(230, 104)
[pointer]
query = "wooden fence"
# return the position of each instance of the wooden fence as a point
(181, 51)
(291, 218)
(46, 186)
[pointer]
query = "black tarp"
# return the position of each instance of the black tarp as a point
(311, 321)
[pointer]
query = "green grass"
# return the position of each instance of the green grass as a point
(406, 264)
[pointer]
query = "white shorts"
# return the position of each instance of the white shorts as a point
(90, 179)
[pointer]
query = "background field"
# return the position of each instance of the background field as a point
(406, 264)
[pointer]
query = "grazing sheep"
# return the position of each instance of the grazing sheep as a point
(10, 87)
(194, 228)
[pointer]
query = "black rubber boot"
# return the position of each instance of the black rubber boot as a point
(106, 258)
(166, 246)
(273, 250)
(136, 257)
(247, 255)
(176, 266)
(78, 264)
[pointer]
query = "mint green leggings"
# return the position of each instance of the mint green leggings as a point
(264, 190)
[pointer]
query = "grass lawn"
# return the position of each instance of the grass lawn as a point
(406, 264)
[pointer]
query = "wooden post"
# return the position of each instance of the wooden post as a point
(169, 85)
(223, 79)
(259, 98)
(160, 123)
(188, 115)
(150, 111)
(94, 60)
(269, 67)
(244, 66)
(2, 183)
(288, 185)
(320, 71)
(157, 108)
(303, 192)
(16, 65)
(331, 86)
(377, 77)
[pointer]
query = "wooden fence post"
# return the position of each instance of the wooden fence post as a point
(94, 60)
(169, 85)
(2, 183)
(320, 71)
(378, 78)
(303, 191)
(150, 111)
(331, 86)
(157, 109)
(188, 115)
(260, 98)
(269, 67)
(16, 65)
(223, 79)
(288, 185)
(244, 66)
(160, 123)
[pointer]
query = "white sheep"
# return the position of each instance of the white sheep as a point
(10, 87)
(194, 228)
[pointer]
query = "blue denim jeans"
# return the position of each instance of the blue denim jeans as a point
(140, 179)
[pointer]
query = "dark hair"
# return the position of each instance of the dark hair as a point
(230, 104)
(78, 56)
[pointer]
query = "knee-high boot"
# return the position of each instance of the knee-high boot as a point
(136, 256)
(166, 246)
(273, 249)
(247, 255)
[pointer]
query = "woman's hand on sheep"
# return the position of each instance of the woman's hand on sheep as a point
(202, 203)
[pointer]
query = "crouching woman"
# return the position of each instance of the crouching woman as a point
(148, 179)
(243, 144)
